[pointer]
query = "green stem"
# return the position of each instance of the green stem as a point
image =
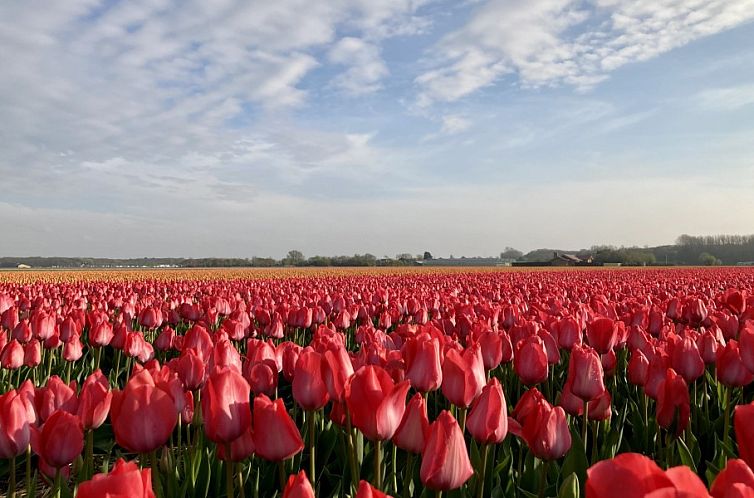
(543, 478)
(310, 420)
(281, 474)
(462, 418)
(12, 478)
(586, 424)
(409, 475)
(28, 470)
(378, 464)
(352, 453)
(726, 419)
(156, 481)
(58, 481)
(394, 465)
(483, 471)
(89, 462)
(228, 471)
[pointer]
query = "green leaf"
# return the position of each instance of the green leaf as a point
(576, 461)
(685, 454)
(570, 487)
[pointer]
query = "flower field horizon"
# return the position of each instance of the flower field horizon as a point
(369, 382)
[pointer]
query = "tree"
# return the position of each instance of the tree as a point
(427, 255)
(404, 256)
(294, 258)
(708, 259)
(511, 253)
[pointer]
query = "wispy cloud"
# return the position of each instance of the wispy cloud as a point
(552, 42)
(726, 99)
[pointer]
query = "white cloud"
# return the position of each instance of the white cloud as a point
(452, 124)
(726, 99)
(539, 43)
(366, 67)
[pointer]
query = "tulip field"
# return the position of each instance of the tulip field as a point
(383, 382)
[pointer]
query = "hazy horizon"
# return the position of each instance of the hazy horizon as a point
(239, 129)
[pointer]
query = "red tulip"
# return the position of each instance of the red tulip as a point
(375, 402)
(150, 318)
(309, 388)
(124, 480)
(60, 440)
(585, 373)
(56, 395)
(546, 432)
(686, 360)
(262, 377)
(736, 480)
(14, 424)
(144, 414)
(445, 461)
(226, 409)
(366, 490)
(730, 368)
(491, 344)
(411, 434)
(337, 370)
(638, 368)
(600, 408)
(12, 356)
(101, 334)
(298, 486)
(94, 401)
(635, 475)
(743, 422)
(276, 436)
(423, 367)
(530, 360)
(191, 369)
(240, 448)
(463, 376)
(488, 419)
(673, 403)
(746, 345)
(602, 334)
(43, 325)
(32, 353)
(568, 333)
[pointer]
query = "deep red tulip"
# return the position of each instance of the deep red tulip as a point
(743, 422)
(686, 360)
(602, 334)
(144, 414)
(309, 388)
(585, 373)
(412, 432)
(226, 409)
(14, 424)
(568, 333)
(730, 368)
(488, 419)
(94, 401)
(366, 490)
(736, 480)
(191, 369)
(600, 408)
(262, 377)
(635, 475)
(276, 436)
(463, 376)
(638, 368)
(546, 431)
(491, 344)
(445, 460)
(101, 334)
(240, 448)
(530, 361)
(673, 402)
(12, 356)
(32, 353)
(126, 479)
(423, 366)
(337, 370)
(746, 345)
(375, 402)
(298, 486)
(60, 440)
(56, 395)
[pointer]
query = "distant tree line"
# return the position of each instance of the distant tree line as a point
(688, 250)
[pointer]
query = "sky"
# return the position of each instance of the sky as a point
(238, 128)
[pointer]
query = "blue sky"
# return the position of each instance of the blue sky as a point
(240, 128)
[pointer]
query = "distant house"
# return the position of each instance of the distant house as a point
(563, 259)
(23, 267)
